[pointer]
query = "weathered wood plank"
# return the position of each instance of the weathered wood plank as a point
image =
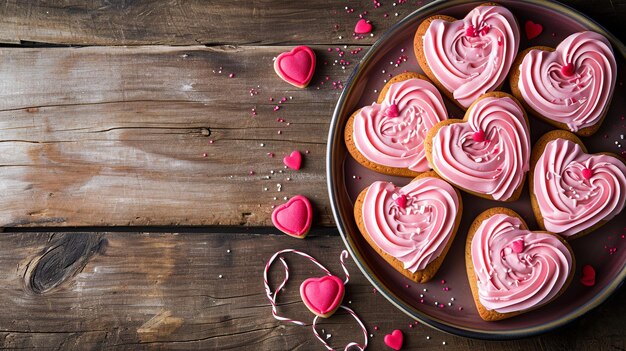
(162, 290)
(245, 22)
(158, 135)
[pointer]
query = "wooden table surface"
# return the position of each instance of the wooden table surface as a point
(137, 182)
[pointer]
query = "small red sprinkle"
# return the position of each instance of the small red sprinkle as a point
(441, 305)
(276, 108)
(232, 75)
(443, 281)
(375, 327)
(410, 325)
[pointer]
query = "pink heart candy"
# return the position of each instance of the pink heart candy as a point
(478, 136)
(297, 66)
(294, 160)
(362, 27)
(568, 70)
(395, 339)
(401, 201)
(532, 29)
(294, 217)
(392, 111)
(322, 295)
(587, 173)
(589, 276)
(517, 246)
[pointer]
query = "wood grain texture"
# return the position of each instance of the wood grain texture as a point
(244, 22)
(158, 135)
(177, 22)
(163, 291)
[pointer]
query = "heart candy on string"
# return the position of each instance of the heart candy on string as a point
(322, 295)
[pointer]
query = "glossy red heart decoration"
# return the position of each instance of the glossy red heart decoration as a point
(395, 339)
(532, 29)
(362, 27)
(322, 295)
(294, 217)
(589, 276)
(294, 160)
(297, 66)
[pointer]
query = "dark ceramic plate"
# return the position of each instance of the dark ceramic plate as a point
(605, 249)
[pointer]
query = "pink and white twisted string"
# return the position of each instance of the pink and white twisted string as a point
(272, 296)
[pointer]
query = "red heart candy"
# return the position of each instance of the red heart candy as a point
(297, 66)
(294, 160)
(589, 276)
(517, 246)
(568, 70)
(322, 295)
(294, 217)
(587, 173)
(395, 339)
(362, 27)
(479, 136)
(532, 29)
(401, 201)
(392, 111)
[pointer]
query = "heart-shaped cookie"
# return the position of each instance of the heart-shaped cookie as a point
(322, 296)
(294, 217)
(411, 227)
(488, 152)
(297, 66)
(512, 270)
(469, 57)
(572, 192)
(388, 136)
(569, 87)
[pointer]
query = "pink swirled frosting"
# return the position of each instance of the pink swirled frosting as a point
(472, 56)
(573, 84)
(392, 133)
(490, 153)
(574, 190)
(517, 269)
(416, 229)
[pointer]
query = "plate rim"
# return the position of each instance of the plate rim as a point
(335, 137)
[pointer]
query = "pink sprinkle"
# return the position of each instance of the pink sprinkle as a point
(587, 173)
(251, 173)
(446, 289)
(271, 98)
(204, 155)
(421, 300)
(443, 281)
(276, 108)
(441, 305)
(374, 290)
(407, 286)
(460, 308)
(375, 327)
(270, 154)
(232, 75)
(410, 325)
(211, 141)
